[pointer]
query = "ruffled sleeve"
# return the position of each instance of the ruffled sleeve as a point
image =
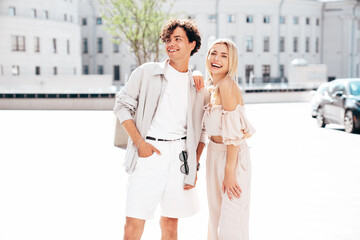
(235, 127)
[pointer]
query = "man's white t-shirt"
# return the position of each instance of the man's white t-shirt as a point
(170, 120)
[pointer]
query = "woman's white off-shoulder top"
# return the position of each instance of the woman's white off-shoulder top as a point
(232, 126)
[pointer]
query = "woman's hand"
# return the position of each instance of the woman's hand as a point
(198, 80)
(230, 186)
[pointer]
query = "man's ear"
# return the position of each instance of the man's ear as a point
(193, 45)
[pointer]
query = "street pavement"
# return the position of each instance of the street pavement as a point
(61, 178)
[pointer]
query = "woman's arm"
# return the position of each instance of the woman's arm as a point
(229, 94)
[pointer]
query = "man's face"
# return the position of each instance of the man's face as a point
(178, 47)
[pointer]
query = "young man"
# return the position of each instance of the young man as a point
(162, 112)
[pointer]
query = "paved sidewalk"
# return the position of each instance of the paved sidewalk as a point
(61, 178)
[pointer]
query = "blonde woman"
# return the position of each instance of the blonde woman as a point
(228, 168)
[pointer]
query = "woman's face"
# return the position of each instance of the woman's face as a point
(218, 60)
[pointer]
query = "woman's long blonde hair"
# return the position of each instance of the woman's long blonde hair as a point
(233, 58)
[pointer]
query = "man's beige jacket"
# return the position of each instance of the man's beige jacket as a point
(139, 99)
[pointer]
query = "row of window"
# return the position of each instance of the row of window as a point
(45, 14)
(249, 44)
(98, 21)
(99, 46)
(266, 72)
(100, 70)
(15, 70)
(231, 18)
(18, 44)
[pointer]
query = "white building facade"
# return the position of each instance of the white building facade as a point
(341, 49)
(100, 55)
(67, 37)
(39, 37)
(268, 33)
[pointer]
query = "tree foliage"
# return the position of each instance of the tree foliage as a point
(138, 23)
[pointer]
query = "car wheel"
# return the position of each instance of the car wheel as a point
(320, 118)
(349, 122)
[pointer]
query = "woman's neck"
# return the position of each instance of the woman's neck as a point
(217, 78)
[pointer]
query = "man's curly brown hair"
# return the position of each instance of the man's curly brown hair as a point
(191, 29)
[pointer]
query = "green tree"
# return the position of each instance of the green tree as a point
(137, 23)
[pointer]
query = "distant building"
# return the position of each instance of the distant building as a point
(341, 50)
(268, 35)
(39, 37)
(99, 54)
(65, 37)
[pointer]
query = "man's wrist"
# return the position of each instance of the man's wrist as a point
(138, 143)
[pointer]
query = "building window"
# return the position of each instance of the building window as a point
(295, 44)
(266, 73)
(100, 69)
(266, 19)
(71, 18)
(68, 46)
(54, 45)
(307, 21)
(15, 70)
(249, 44)
(282, 71)
(65, 17)
(84, 21)
(358, 26)
(1, 70)
(86, 69)
(12, 11)
(116, 47)
(317, 45)
(116, 73)
(85, 45)
(99, 45)
(45, 14)
(231, 18)
(266, 44)
(33, 13)
(307, 44)
(249, 73)
(18, 43)
(282, 20)
(317, 22)
(282, 44)
(98, 21)
(55, 71)
(37, 44)
(249, 19)
(74, 70)
(37, 70)
(212, 18)
(296, 20)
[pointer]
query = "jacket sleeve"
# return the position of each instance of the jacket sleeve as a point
(127, 99)
(204, 136)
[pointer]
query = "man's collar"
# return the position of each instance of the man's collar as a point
(160, 68)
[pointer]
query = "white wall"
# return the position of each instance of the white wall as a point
(55, 27)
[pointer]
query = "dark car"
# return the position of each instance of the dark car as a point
(340, 104)
(317, 98)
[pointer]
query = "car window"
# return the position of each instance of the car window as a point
(355, 88)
